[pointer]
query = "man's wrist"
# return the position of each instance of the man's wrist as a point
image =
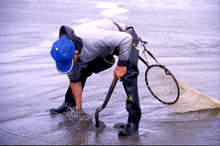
(122, 63)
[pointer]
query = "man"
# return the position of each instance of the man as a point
(89, 49)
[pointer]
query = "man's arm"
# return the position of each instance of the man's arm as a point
(113, 39)
(117, 39)
(76, 88)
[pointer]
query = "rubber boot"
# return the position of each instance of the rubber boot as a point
(132, 106)
(69, 102)
(130, 129)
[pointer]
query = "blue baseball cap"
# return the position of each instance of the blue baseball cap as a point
(62, 52)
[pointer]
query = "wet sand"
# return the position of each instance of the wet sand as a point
(183, 35)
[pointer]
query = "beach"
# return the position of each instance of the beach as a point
(183, 35)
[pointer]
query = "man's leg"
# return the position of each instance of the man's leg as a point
(129, 81)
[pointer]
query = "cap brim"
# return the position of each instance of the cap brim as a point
(65, 69)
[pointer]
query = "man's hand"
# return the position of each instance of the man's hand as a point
(120, 71)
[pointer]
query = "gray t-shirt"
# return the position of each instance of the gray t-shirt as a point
(100, 38)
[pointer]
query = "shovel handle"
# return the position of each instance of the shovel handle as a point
(114, 82)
